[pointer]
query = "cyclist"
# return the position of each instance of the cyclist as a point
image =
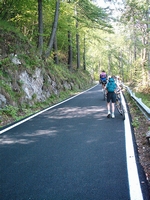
(111, 96)
(103, 78)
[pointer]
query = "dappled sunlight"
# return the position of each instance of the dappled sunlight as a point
(41, 133)
(72, 112)
(13, 140)
(56, 121)
(24, 138)
(91, 141)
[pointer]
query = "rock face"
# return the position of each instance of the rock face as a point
(32, 85)
(35, 87)
(2, 101)
(26, 78)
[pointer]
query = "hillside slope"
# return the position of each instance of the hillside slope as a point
(28, 83)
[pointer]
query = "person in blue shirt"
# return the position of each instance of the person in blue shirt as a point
(111, 97)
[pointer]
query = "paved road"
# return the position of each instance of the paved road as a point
(69, 152)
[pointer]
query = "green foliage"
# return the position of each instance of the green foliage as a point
(145, 98)
(137, 115)
(10, 30)
(30, 61)
(25, 109)
(34, 96)
(135, 122)
(11, 111)
(5, 61)
(23, 15)
(80, 79)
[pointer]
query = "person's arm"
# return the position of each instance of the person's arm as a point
(118, 88)
(106, 86)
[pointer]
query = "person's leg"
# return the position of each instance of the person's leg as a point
(102, 85)
(113, 105)
(113, 110)
(108, 104)
(108, 107)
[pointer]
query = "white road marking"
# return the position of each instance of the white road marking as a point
(133, 177)
(28, 118)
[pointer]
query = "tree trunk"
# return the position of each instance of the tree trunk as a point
(77, 42)
(148, 41)
(121, 65)
(84, 63)
(78, 51)
(54, 28)
(134, 40)
(40, 28)
(55, 51)
(69, 51)
(109, 61)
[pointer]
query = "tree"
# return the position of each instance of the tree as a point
(77, 39)
(55, 51)
(69, 51)
(148, 37)
(40, 26)
(135, 18)
(84, 52)
(54, 28)
(71, 29)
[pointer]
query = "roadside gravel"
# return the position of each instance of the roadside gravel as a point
(140, 126)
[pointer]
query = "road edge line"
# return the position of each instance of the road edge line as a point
(133, 176)
(38, 113)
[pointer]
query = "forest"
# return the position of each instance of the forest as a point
(82, 34)
(91, 35)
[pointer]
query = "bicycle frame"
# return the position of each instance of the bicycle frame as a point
(119, 105)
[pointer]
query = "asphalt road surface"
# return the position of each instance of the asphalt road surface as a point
(69, 152)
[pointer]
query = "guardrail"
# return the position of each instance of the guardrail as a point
(140, 104)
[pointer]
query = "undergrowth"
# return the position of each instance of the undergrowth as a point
(11, 114)
(141, 91)
(145, 98)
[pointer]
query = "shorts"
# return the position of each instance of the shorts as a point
(111, 96)
(103, 82)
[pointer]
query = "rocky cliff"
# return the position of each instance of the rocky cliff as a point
(27, 80)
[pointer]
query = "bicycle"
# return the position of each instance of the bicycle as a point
(119, 105)
(104, 94)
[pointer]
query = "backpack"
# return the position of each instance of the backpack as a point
(111, 85)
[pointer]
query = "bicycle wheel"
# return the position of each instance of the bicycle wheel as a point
(123, 114)
(105, 95)
(120, 108)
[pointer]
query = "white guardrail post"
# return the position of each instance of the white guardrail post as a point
(141, 105)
